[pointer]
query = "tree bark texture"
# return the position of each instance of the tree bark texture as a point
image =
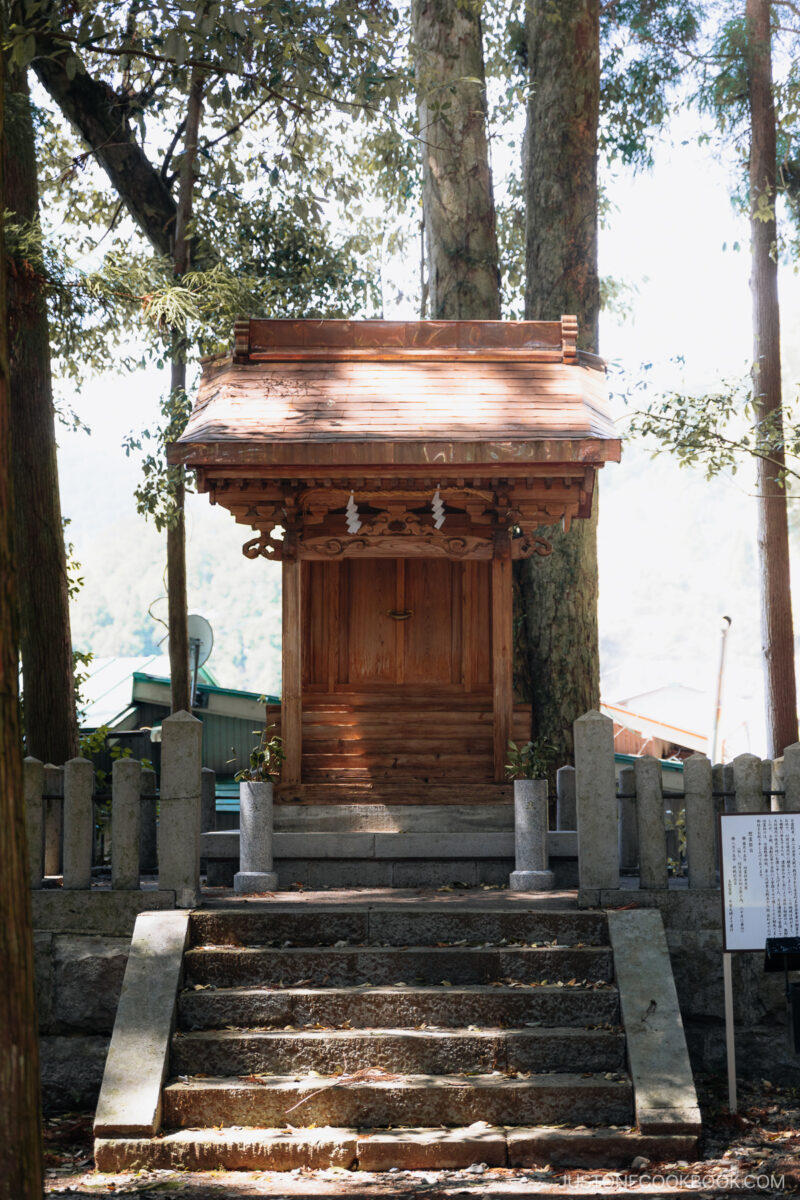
(458, 205)
(21, 1167)
(51, 730)
(558, 594)
(773, 535)
(102, 121)
(181, 698)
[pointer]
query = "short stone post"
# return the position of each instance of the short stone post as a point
(78, 823)
(530, 838)
(34, 818)
(179, 821)
(729, 788)
(53, 818)
(628, 833)
(651, 825)
(255, 872)
(747, 784)
(148, 829)
(701, 825)
(208, 806)
(126, 823)
(596, 801)
(566, 817)
(791, 779)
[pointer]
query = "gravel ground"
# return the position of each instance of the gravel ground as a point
(756, 1150)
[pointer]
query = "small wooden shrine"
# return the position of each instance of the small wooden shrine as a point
(397, 470)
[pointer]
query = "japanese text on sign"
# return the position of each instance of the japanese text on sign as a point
(760, 878)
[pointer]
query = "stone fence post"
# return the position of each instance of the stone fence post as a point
(53, 818)
(566, 817)
(148, 852)
(748, 784)
(650, 823)
(628, 833)
(701, 825)
(596, 802)
(791, 780)
(78, 823)
(179, 821)
(532, 873)
(34, 818)
(126, 823)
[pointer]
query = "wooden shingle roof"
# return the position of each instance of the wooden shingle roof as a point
(383, 391)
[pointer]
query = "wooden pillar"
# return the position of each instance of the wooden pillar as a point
(502, 677)
(292, 686)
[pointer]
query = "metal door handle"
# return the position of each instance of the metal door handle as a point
(399, 616)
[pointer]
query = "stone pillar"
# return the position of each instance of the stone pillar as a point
(53, 818)
(791, 779)
(255, 872)
(208, 807)
(650, 823)
(34, 818)
(179, 821)
(628, 833)
(530, 838)
(596, 801)
(148, 829)
(78, 823)
(766, 783)
(729, 788)
(701, 824)
(566, 817)
(126, 822)
(747, 784)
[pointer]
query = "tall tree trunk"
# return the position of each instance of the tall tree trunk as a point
(558, 594)
(20, 1125)
(773, 536)
(176, 534)
(51, 730)
(458, 206)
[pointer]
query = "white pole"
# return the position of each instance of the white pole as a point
(730, 1040)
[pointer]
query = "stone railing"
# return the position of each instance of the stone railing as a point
(642, 829)
(150, 832)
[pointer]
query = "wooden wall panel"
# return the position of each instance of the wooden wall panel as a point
(368, 639)
(432, 594)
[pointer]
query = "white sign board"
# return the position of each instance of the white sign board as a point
(759, 878)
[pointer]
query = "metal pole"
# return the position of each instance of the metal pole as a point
(718, 702)
(730, 1039)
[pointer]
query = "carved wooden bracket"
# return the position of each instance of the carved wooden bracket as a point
(264, 546)
(528, 545)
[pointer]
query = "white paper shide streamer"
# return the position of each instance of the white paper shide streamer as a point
(437, 508)
(351, 514)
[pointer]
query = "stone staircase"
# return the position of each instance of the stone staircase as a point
(413, 1036)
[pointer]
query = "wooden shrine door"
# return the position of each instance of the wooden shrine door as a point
(397, 626)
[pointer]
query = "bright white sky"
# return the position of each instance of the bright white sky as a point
(658, 525)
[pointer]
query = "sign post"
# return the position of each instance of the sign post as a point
(760, 891)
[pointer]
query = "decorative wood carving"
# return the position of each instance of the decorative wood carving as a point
(395, 546)
(264, 546)
(528, 545)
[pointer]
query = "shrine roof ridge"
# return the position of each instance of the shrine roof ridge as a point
(281, 339)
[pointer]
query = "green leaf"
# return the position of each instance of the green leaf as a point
(322, 46)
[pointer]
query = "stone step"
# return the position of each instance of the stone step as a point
(347, 966)
(398, 926)
(425, 1100)
(398, 1007)
(407, 1051)
(380, 1150)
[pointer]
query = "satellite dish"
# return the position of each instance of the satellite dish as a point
(201, 643)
